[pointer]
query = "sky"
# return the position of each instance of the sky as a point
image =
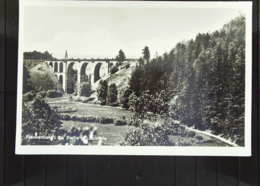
(91, 32)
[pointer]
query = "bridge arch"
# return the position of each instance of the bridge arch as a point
(84, 76)
(71, 73)
(97, 72)
(61, 80)
(72, 77)
(61, 67)
(55, 66)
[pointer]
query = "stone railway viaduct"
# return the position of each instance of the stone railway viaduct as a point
(93, 69)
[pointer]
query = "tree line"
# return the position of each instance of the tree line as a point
(36, 55)
(201, 80)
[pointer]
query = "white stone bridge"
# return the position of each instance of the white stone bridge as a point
(88, 69)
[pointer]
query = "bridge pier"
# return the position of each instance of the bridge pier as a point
(78, 82)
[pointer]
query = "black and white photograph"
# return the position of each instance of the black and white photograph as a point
(134, 78)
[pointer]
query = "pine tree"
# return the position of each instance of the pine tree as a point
(102, 92)
(121, 57)
(112, 94)
(146, 54)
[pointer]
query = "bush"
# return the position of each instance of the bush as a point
(53, 94)
(105, 120)
(112, 94)
(90, 119)
(39, 118)
(28, 96)
(124, 98)
(85, 89)
(114, 69)
(148, 135)
(120, 122)
(102, 92)
(127, 66)
(65, 117)
(149, 103)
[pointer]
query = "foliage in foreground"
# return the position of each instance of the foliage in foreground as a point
(39, 118)
(147, 134)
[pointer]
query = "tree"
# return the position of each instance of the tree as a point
(146, 54)
(205, 80)
(141, 61)
(38, 55)
(121, 57)
(26, 80)
(136, 80)
(124, 99)
(112, 94)
(102, 92)
(39, 118)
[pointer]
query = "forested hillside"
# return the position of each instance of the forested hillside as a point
(201, 80)
(35, 55)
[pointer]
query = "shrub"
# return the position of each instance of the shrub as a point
(120, 122)
(105, 120)
(85, 89)
(74, 117)
(65, 117)
(102, 92)
(124, 98)
(112, 94)
(90, 119)
(149, 103)
(114, 69)
(78, 118)
(147, 135)
(53, 94)
(39, 118)
(127, 66)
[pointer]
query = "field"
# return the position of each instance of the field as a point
(115, 135)
(90, 109)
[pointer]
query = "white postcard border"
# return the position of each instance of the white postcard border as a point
(139, 150)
